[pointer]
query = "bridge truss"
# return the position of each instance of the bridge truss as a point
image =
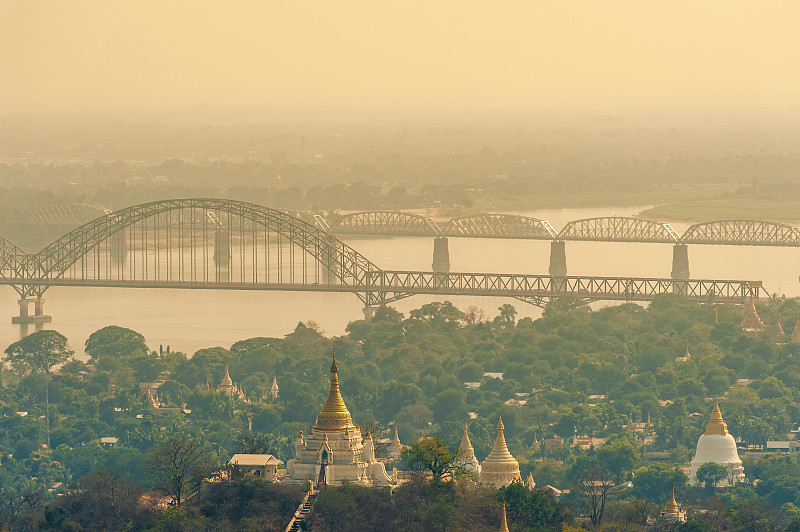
(223, 244)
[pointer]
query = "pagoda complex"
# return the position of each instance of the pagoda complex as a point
(499, 468)
(717, 445)
(334, 450)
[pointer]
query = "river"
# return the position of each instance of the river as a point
(188, 320)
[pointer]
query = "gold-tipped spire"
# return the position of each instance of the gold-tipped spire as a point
(716, 425)
(500, 451)
(396, 440)
(334, 414)
(672, 505)
(504, 522)
(226, 380)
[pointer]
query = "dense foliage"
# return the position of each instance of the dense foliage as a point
(576, 371)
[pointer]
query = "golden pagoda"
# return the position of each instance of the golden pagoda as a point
(500, 468)
(752, 322)
(717, 445)
(226, 380)
(334, 450)
(504, 522)
(672, 511)
(334, 414)
(529, 483)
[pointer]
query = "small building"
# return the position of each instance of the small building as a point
(258, 465)
(109, 442)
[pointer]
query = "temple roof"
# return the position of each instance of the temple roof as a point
(226, 380)
(467, 451)
(334, 414)
(716, 425)
(500, 450)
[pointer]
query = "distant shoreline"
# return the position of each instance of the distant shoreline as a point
(726, 209)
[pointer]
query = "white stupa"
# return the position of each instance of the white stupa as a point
(718, 446)
(468, 453)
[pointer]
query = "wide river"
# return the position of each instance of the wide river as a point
(188, 320)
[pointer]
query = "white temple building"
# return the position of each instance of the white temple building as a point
(468, 459)
(499, 468)
(717, 445)
(334, 449)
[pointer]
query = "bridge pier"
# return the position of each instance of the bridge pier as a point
(441, 260)
(369, 313)
(680, 262)
(558, 258)
(38, 312)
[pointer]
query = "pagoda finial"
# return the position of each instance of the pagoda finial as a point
(672, 505)
(334, 414)
(716, 425)
(226, 380)
(334, 367)
(504, 522)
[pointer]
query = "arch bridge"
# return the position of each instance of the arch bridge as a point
(223, 244)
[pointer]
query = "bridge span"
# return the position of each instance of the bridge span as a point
(233, 245)
(600, 229)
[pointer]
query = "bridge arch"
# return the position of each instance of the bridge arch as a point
(742, 232)
(200, 241)
(385, 222)
(619, 229)
(500, 226)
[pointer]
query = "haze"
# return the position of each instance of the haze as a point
(95, 55)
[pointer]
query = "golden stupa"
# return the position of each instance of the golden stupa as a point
(334, 414)
(500, 468)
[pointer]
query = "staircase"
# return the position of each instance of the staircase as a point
(303, 511)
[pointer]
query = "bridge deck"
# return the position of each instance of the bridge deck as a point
(383, 285)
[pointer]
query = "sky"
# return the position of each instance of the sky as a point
(73, 55)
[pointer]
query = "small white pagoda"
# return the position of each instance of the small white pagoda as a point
(717, 445)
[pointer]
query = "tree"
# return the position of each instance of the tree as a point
(618, 457)
(710, 474)
(591, 487)
(431, 453)
(115, 341)
(39, 352)
(177, 465)
(507, 316)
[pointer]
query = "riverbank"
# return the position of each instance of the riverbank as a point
(726, 209)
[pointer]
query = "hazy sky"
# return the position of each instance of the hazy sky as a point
(70, 55)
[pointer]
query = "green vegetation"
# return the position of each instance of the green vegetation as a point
(595, 374)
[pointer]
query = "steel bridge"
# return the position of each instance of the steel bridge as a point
(601, 229)
(233, 245)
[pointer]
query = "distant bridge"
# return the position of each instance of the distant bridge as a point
(223, 244)
(601, 229)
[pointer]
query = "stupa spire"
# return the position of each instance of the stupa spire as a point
(752, 321)
(716, 425)
(334, 414)
(467, 451)
(504, 522)
(226, 380)
(672, 505)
